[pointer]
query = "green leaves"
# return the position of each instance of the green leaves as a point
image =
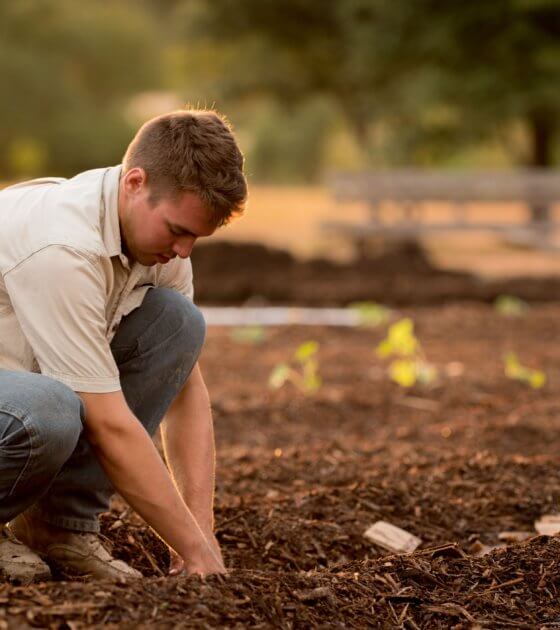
(510, 306)
(514, 370)
(71, 68)
(253, 335)
(409, 366)
(305, 376)
(306, 351)
(371, 313)
(280, 374)
(403, 372)
(400, 341)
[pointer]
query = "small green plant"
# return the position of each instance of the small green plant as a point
(510, 306)
(253, 335)
(302, 371)
(371, 313)
(409, 365)
(514, 370)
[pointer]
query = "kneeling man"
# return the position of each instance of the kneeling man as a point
(99, 342)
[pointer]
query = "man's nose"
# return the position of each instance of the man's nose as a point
(184, 247)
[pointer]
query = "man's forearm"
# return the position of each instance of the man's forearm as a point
(128, 456)
(188, 441)
(145, 484)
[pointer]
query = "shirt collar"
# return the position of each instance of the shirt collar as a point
(110, 214)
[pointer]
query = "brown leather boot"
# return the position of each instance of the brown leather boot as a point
(18, 563)
(76, 553)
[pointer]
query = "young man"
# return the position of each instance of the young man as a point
(99, 340)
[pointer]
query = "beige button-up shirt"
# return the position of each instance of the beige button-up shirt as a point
(65, 284)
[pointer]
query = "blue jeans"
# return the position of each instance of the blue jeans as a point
(46, 464)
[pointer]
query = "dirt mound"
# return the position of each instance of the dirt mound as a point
(229, 273)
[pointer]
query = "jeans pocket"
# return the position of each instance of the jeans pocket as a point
(122, 354)
(15, 452)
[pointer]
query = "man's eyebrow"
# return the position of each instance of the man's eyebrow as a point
(178, 228)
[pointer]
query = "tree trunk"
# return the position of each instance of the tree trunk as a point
(359, 118)
(541, 129)
(360, 127)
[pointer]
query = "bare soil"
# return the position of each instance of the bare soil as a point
(401, 273)
(300, 478)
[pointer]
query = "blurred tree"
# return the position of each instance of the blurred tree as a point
(495, 65)
(232, 55)
(437, 74)
(66, 70)
(288, 144)
(295, 50)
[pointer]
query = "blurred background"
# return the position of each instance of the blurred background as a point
(311, 88)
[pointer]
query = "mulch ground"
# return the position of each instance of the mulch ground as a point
(399, 274)
(300, 478)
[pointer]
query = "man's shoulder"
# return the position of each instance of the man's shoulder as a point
(82, 181)
(51, 211)
(39, 181)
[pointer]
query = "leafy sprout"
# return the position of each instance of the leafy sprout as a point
(510, 306)
(400, 340)
(371, 313)
(302, 371)
(253, 335)
(409, 365)
(514, 370)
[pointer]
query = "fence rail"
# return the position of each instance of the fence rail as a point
(538, 189)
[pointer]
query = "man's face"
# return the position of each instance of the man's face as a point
(156, 231)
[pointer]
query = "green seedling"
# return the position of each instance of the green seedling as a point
(302, 371)
(514, 370)
(253, 335)
(371, 313)
(409, 365)
(510, 306)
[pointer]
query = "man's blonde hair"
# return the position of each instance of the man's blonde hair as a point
(191, 151)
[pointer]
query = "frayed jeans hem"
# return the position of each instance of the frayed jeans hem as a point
(76, 524)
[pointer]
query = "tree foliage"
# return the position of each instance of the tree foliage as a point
(436, 73)
(500, 62)
(414, 81)
(66, 70)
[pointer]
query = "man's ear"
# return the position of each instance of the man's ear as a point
(134, 180)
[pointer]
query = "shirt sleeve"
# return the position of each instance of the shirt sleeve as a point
(177, 274)
(58, 295)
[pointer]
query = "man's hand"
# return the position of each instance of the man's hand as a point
(209, 561)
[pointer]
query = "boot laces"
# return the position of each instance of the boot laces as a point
(6, 534)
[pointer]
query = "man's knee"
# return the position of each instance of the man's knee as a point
(60, 418)
(194, 324)
(179, 321)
